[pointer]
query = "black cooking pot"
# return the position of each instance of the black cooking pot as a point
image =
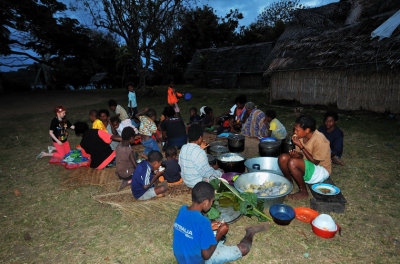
(216, 143)
(269, 148)
(218, 150)
(231, 166)
(236, 143)
(211, 160)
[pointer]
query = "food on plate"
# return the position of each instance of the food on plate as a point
(325, 190)
(268, 188)
(232, 158)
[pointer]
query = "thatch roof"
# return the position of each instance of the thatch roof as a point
(217, 62)
(338, 36)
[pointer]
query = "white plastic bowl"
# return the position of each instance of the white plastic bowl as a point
(325, 222)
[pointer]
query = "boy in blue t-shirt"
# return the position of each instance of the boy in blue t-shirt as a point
(132, 104)
(194, 240)
(143, 179)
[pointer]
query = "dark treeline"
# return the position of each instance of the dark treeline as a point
(147, 42)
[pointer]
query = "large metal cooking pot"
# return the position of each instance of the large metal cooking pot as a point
(216, 143)
(231, 166)
(269, 164)
(236, 143)
(218, 150)
(259, 178)
(269, 148)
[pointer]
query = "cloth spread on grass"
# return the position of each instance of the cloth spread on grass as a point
(72, 160)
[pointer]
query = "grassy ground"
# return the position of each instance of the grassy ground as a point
(48, 224)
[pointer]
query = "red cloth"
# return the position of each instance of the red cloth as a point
(62, 150)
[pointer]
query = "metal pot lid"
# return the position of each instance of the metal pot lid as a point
(219, 148)
(270, 144)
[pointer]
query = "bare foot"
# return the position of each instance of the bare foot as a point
(258, 228)
(298, 196)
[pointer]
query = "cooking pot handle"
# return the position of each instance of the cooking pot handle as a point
(256, 166)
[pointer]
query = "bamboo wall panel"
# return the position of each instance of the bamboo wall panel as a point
(377, 92)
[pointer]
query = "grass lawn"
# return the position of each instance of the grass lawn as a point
(48, 224)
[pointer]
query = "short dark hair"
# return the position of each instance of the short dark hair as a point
(208, 110)
(151, 112)
(155, 155)
(169, 111)
(171, 151)
(128, 133)
(305, 122)
(115, 119)
(130, 84)
(112, 103)
(334, 115)
(93, 112)
(104, 111)
(81, 128)
(241, 99)
(195, 131)
(270, 113)
(193, 109)
(202, 191)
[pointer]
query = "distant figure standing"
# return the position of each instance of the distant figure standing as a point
(173, 97)
(132, 104)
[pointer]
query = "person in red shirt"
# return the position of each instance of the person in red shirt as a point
(173, 97)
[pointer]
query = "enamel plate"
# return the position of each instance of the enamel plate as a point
(325, 189)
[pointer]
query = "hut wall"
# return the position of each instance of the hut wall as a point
(378, 92)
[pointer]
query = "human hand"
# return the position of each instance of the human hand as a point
(296, 140)
(294, 154)
(203, 145)
(59, 142)
(146, 186)
(215, 225)
(223, 229)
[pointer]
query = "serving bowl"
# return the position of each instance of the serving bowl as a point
(269, 164)
(325, 222)
(259, 178)
(282, 214)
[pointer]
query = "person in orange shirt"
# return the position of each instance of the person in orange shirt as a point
(173, 97)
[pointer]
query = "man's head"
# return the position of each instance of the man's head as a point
(81, 128)
(304, 125)
(195, 134)
(330, 119)
(93, 115)
(270, 115)
(203, 194)
(151, 113)
(112, 104)
(241, 101)
(169, 111)
(104, 115)
(193, 111)
(128, 134)
(115, 121)
(130, 86)
(155, 159)
(250, 106)
(208, 111)
(171, 152)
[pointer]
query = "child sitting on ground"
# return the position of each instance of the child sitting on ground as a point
(125, 157)
(59, 134)
(172, 172)
(143, 178)
(146, 130)
(335, 136)
(194, 240)
(194, 117)
(274, 127)
(119, 110)
(96, 122)
(119, 125)
(208, 119)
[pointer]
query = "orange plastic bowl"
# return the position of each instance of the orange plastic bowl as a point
(305, 214)
(324, 233)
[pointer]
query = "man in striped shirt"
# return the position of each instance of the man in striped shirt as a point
(193, 159)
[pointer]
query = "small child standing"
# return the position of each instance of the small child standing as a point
(172, 172)
(125, 157)
(146, 129)
(132, 104)
(143, 178)
(172, 97)
(119, 110)
(97, 123)
(59, 134)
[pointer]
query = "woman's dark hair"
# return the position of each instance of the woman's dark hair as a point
(128, 133)
(169, 111)
(115, 119)
(151, 112)
(81, 128)
(306, 122)
(104, 111)
(112, 103)
(270, 113)
(208, 110)
(154, 155)
(193, 109)
(241, 99)
(334, 115)
(170, 151)
(202, 191)
(195, 131)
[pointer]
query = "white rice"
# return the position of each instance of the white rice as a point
(232, 159)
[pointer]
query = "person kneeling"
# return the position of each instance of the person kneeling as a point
(311, 161)
(143, 178)
(194, 239)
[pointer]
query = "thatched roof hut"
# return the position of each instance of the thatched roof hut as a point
(327, 56)
(229, 67)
